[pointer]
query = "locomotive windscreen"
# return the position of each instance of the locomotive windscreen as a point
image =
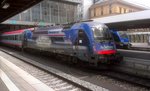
(122, 34)
(101, 34)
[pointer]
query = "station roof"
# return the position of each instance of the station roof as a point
(9, 8)
(139, 19)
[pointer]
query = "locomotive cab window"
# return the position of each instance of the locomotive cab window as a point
(122, 34)
(101, 34)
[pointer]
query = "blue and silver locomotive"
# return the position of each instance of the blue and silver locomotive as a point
(121, 39)
(90, 42)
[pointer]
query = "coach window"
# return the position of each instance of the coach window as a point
(5, 37)
(18, 37)
(10, 37)
(15, 37)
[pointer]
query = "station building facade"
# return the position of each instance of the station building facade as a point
(103, 8)
(48, 12)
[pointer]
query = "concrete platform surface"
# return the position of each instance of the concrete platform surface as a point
(14, 78)
(142, 45)
(3, 86)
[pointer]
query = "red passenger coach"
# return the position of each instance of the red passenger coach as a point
(14, 38)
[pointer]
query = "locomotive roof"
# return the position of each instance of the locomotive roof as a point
(94, 23)
(47, 28)
(91, 24)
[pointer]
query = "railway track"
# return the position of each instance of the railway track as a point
(124, 77)
(139, 49)
(54, 78)
(130, 78)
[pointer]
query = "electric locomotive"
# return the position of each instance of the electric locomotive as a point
(121, 39)
(88, 41)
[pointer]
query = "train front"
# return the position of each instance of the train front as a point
(104, 47)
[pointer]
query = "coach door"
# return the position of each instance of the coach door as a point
(82, 38)
(82, 42)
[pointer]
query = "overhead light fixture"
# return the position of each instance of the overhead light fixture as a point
(5, 6)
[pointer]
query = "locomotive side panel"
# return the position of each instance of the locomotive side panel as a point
(51, 40)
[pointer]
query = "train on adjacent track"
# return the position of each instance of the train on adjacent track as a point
(90, 42)
(121, 39)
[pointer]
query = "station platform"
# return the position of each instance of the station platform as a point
(140, 45)
(3, 86)
(13, 78)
